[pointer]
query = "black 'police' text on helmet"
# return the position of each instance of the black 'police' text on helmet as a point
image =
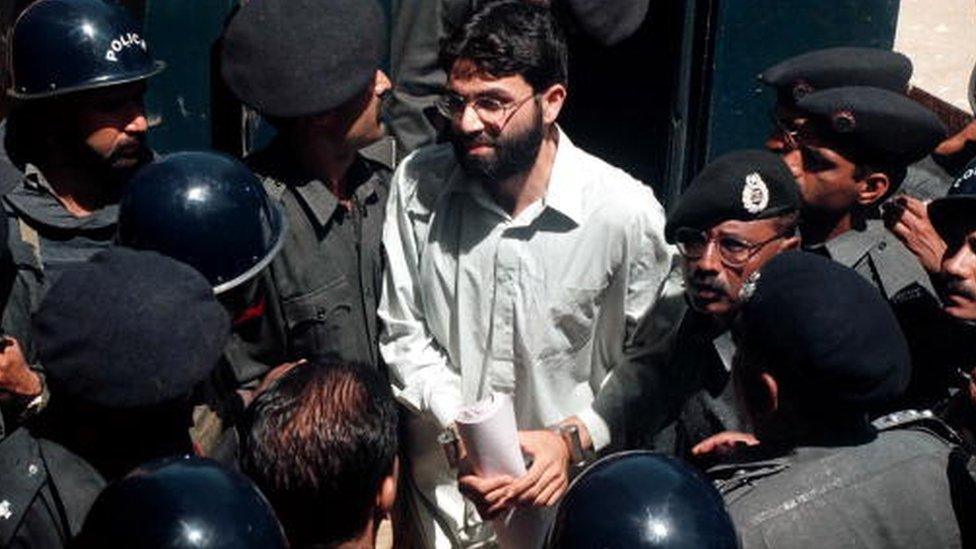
(640, 499)
(63, 46)
(204, 209)
(182, 502)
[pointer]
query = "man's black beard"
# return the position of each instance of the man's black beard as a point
(514, 154)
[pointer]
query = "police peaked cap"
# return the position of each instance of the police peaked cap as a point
(955, 213)
(828, 331)
(129, 329)
(873, 125)
(836, 67)
(302, 57)
(743, 186)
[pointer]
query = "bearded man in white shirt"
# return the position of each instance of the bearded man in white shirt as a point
(517, 264)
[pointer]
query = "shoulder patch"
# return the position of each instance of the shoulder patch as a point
(923, 420)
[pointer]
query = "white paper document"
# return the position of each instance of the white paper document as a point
(490, 437)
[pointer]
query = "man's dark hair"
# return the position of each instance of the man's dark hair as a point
(319, 443)
(511, 37)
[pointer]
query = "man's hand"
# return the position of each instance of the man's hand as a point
(248, 395)
(723, 443)
(908, 218)
(546, 480)
(489, 495)
(16, 377)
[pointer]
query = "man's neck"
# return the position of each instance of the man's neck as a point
(819, 228)
(367, 540)
(519, 191)
(81, 192)
(326, 162)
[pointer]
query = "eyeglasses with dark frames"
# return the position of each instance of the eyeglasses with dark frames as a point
(733, 252)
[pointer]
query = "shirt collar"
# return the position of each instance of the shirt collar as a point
(566, 182)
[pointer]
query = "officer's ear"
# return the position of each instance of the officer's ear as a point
(386, 495)
(552, 100)
(872, 188)
(790, 243)
(772, 392)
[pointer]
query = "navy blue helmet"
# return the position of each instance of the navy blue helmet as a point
(182, 502)
(204, 209)
(640, 499)
(63, 46)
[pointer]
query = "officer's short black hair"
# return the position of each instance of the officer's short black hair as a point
(319, 443)
(508, 38)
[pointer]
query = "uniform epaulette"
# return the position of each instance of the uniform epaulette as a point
(923, 420)
(730, 477)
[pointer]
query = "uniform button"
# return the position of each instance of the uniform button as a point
(32, 469)
(882, 245)
(320, 313)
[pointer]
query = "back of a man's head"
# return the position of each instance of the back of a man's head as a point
(321, 443)
(508, 38)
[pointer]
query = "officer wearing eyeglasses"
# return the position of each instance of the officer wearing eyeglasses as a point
(737, 214)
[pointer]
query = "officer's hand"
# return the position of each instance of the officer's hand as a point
(546, 480)
(908, 219)
(16, 377)
(723, 443)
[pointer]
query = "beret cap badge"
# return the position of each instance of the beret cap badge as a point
(755, 194)
(749, 286)
(843, 121)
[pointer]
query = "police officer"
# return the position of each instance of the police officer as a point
(737, 214)
(849, 149)
(180, 502)
(820, 349)
(78, 72)
(45, 490)
(314, 74)
(125, 337)
(640, 499)
(209, 211)
(952, 217)
(848, 66)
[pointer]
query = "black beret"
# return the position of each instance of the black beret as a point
(828, 330)
(874, 125)
(956, 211)
(128, 329)
(302, 57)
(836, 67)
(743, 185)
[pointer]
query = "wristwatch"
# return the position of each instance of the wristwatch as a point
(578, 456)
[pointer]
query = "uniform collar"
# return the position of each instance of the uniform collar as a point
(276, 163)
(35, 200)
(848, 248)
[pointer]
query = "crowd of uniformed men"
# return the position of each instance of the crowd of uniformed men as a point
(789, 350)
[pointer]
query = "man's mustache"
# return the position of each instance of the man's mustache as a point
(710, 283)
(961, 288)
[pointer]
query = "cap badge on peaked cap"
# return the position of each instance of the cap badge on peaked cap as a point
(802, 88)
(843, 121)
(755, 194)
